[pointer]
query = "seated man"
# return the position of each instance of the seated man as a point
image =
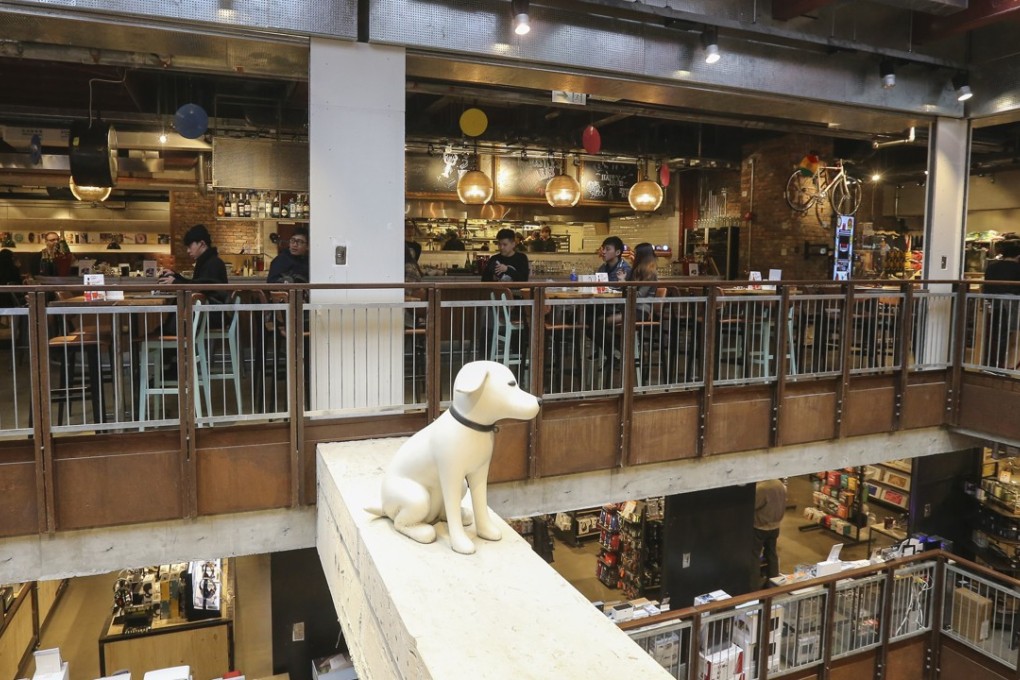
(291, 266)
(507, 264)
(209, 268)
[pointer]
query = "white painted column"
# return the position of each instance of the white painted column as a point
(356, 139)
(945, 227)
(946, 212)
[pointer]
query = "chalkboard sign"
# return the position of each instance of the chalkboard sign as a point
(606, 182)
(434, 176)
(524, 179)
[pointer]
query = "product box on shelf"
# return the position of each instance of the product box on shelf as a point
(972, 614)
(713, 596)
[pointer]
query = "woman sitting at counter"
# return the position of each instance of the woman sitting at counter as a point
(646, 268)
(507, 264)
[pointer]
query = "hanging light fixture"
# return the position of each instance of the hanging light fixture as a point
(888, 73)
(474, 187)
(90, 194)
(646, 195)
(562, 190)
(710, 41)
(961, 83)
(522, 22)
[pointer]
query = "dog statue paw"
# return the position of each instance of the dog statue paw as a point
(430, 473)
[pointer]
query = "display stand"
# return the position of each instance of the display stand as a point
(641, 547)
(536, 531)
(578, 526)
(838, 504)
(889, 483)
(607, 567)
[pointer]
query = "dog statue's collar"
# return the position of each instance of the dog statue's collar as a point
(459, 417)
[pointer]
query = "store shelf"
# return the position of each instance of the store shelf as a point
(890, 486)
(899, 465)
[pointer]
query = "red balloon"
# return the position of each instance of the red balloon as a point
(591, 139)
(664, 175)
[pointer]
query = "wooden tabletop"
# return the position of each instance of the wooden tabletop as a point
(130, 300)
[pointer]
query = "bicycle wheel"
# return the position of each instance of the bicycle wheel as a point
(801, 191)
(845, 197)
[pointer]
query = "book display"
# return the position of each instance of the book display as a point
(641, 547)
(889, 483)
(838, 503)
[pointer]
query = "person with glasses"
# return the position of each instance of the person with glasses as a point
(45, 263)
(291, 266)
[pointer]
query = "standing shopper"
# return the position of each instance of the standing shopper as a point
(769, 508)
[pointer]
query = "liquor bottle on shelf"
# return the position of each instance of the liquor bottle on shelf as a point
(262, 204)
(276, 206)
(228, 207)
(220, 210)
(291, 207)
(247, 204)
(284, 209)
(306, 208)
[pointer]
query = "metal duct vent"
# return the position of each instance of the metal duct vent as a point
(260, 164)
(939, 7)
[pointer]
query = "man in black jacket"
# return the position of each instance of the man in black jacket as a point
(507, 264)
(291, 266)
(1005, 313)
(209, 268)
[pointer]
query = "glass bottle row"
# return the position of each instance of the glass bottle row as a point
(262, 205)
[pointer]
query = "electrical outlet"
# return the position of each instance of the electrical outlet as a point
(927, 509)
(686, 560)
(341, 255)
(298, 634)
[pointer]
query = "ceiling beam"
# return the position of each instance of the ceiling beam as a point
(929, 27)
(784, 10)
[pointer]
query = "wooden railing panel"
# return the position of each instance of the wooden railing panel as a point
(906, 660)
(664, 428)
(808, 410)
(106, 480)
(855, 668)
(870, 405)
(19, 508)
(578, 437)
(352, 429)
(990, 404)
(924, 402)
(241, 470)
(959, 661)
(510, 453)
(741, 419)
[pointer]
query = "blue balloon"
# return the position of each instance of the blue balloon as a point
(191, 121)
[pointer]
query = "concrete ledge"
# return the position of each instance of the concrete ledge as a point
(423, 611)
(96, 551)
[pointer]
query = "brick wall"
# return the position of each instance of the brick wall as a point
(776, 235)
(188, 208)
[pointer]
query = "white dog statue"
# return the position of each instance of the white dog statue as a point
(425, 481)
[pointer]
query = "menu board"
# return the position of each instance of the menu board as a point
(436, 175)
(606, 182)
(524, 178)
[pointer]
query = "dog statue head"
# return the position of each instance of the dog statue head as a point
(487, 391)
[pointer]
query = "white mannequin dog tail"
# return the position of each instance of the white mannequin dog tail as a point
(378, 512)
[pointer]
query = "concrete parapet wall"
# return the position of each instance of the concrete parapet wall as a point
(424, 611)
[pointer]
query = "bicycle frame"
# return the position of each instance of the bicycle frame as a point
(823, 191)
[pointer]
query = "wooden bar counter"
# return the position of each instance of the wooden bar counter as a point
(207, 646)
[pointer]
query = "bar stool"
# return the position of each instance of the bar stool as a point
(89, 383)
(645, 337)
(151, 352)
(205, 336)
(504, 329)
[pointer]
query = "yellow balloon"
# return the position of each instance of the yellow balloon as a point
(473, 122)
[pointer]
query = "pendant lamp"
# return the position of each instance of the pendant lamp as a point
(474, 187)
(562, 190)
(90, 194)
(646, 195)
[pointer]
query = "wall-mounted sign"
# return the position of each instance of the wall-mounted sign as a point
(573, 98)
(434, 176)
(606, 182)
(524, 179)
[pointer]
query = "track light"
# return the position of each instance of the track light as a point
(710, 41)
(961, 82)
(888, 73)
(522, 23)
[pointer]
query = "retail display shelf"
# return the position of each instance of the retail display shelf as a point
(1000, 539)
(998, 506)
(889, 486)
(899, 465)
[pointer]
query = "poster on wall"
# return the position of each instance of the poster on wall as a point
(434, 176)
(524, 179)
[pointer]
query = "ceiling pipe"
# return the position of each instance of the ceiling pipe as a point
(909, 139)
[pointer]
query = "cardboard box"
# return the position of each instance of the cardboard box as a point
(726, 664)
(972, 614)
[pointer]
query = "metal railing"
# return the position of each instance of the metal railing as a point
(843, 616)
(148, 363)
